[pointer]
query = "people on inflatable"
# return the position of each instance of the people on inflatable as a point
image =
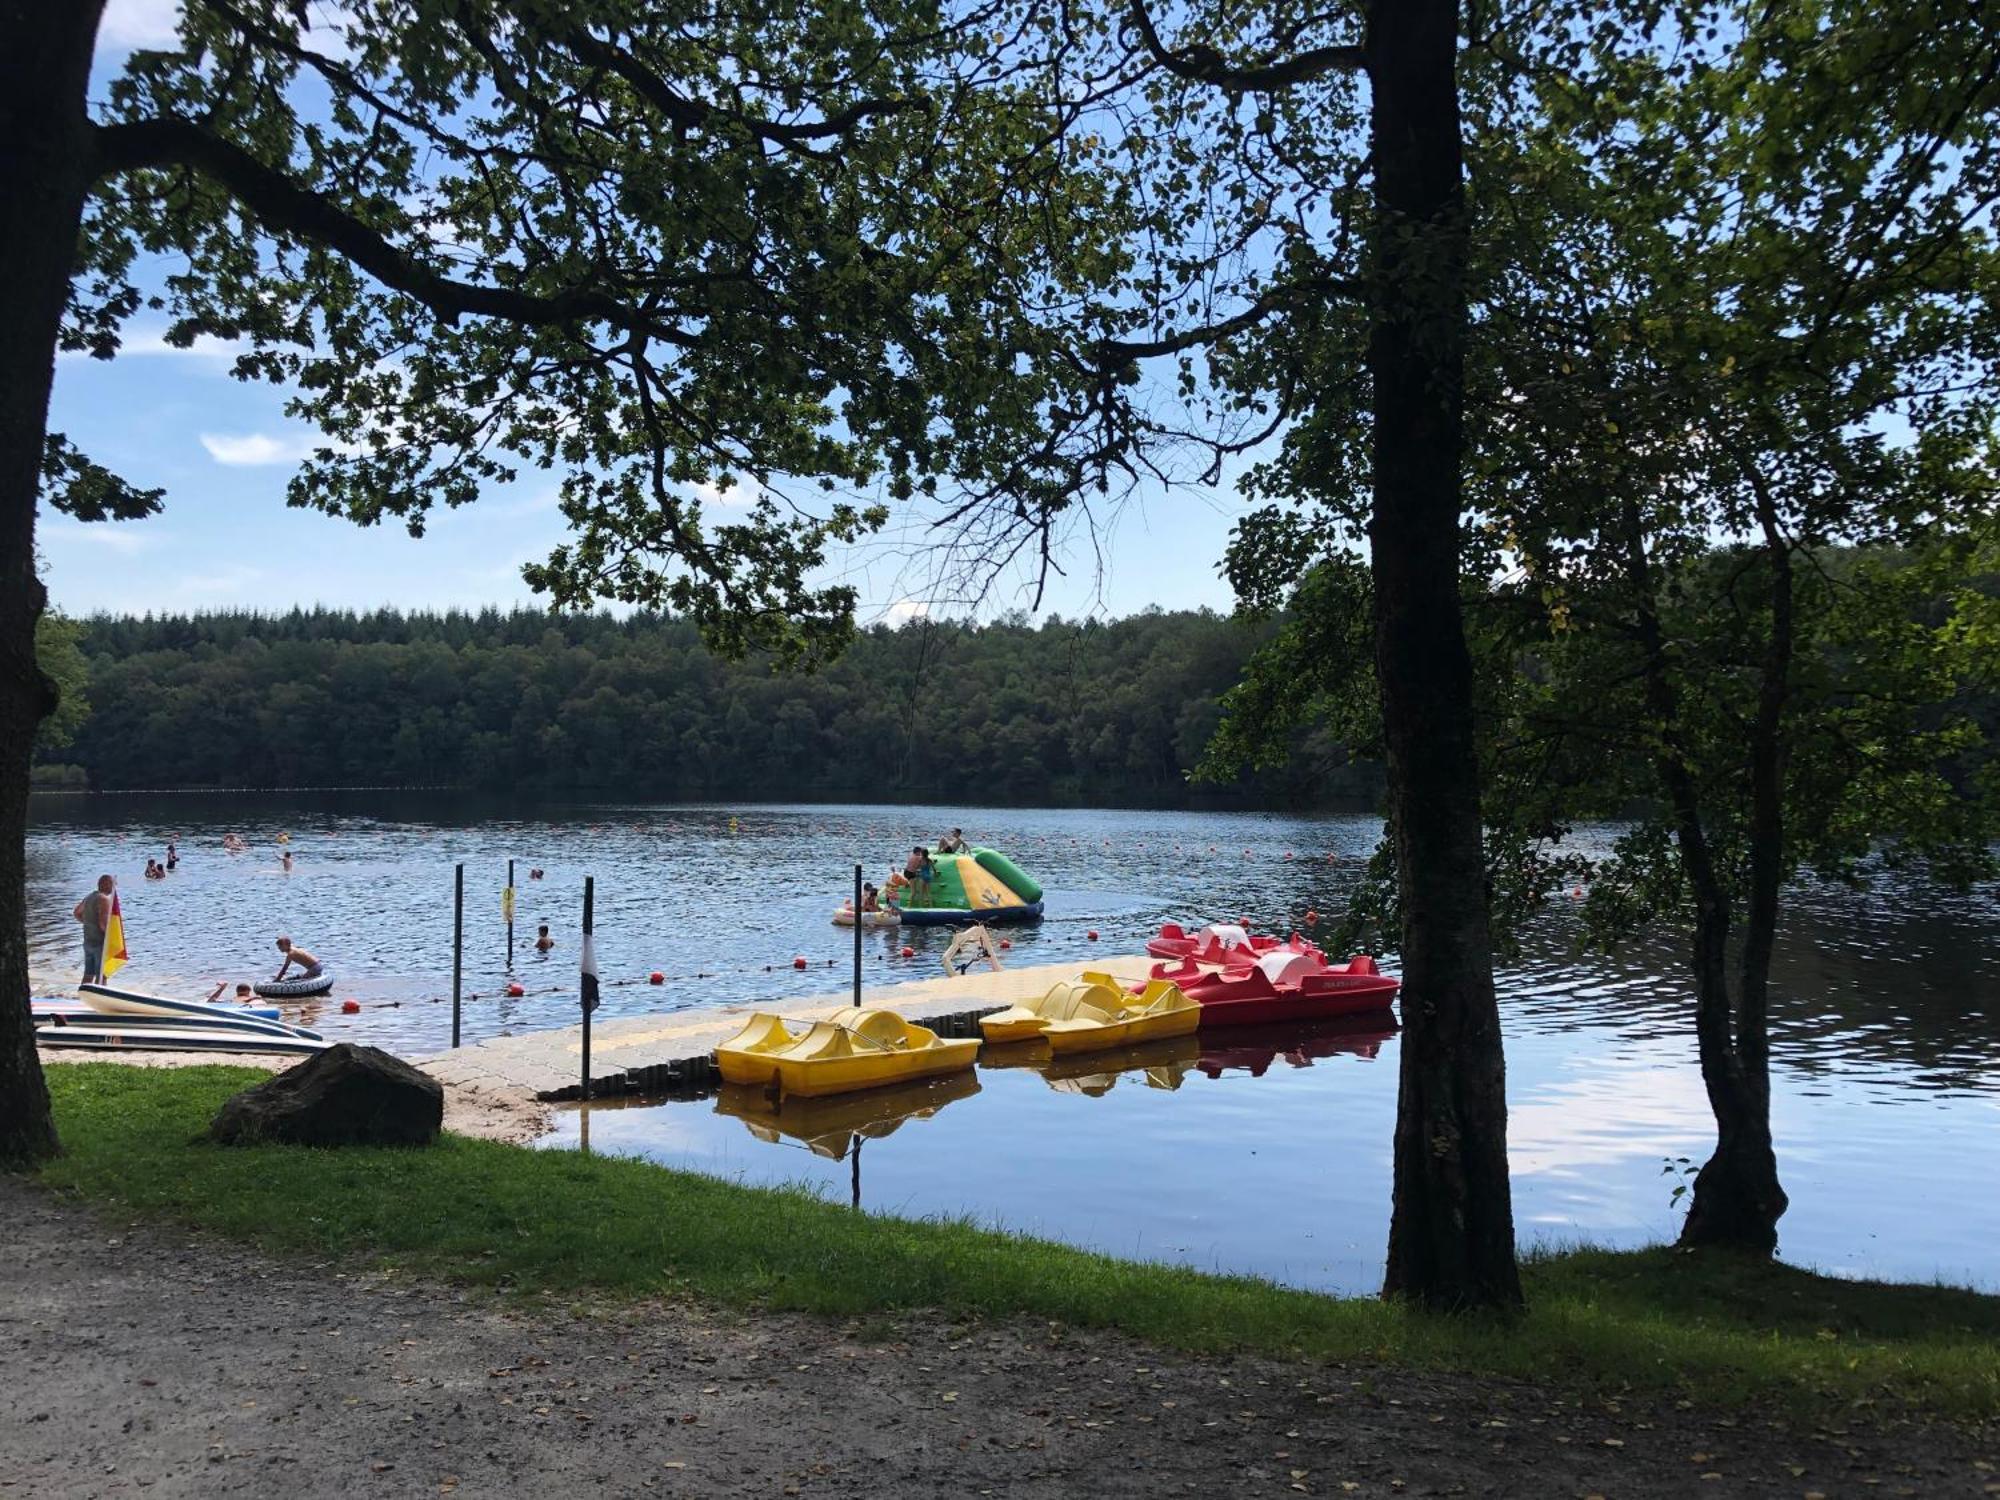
(309, 966)
(954, 843)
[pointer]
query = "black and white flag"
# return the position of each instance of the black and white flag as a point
(589, 975)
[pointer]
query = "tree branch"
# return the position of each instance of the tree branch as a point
(280, 203)
(1201, 63)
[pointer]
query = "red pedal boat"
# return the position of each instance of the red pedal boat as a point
(1283, 986)
(1224, 944)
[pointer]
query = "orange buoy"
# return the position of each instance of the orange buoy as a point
(1312, 919)
(515, 989)
(1092, 934)
(799, 962)
(656, 977)
(349, 1007)
(909, 952)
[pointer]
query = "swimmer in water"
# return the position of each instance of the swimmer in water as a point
(543, 942)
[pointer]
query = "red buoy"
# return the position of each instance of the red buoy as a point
(656, 977)
(909, 952)
(1092, 934)
(349, 1007)
(1006, 942)
(799, 962)
(516, 989)
(1312, 919)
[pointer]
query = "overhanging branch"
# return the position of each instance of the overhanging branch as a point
(1201, 63)
(282, 204)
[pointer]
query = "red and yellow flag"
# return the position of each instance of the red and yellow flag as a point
(115, 956)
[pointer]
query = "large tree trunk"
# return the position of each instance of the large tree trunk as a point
(1451, 1232)
(44, 74)
(1737, 1196)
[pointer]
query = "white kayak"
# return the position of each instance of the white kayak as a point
(172, 1038)
(845, 918)
(120, 1006)
(55, 1008)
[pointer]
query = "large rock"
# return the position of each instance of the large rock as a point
(344, 1096)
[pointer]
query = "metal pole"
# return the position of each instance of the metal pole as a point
(856, 1153)
(589, 906)
(457, 946)
(510, 916)
(857, 937)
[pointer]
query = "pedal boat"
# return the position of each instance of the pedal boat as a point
(1091, 1013)
(1224, 945)
(850, 1050)
(1283, 987)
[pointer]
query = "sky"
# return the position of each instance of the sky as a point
(223, 451)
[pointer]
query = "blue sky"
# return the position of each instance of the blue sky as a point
(223, 451)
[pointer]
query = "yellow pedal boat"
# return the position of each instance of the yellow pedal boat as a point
(850, 1050)
(1094, 1012)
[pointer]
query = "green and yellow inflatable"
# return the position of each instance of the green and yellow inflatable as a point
(983, 886)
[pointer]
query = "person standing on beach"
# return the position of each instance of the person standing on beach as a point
(94, 912)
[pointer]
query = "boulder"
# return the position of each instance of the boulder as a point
(344, 1096)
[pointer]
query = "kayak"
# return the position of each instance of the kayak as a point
(291, 989)
(1283, 986)
(845, 918)
(116, 1007)
(53, 1008)
(853, 1049)
(1091, 1013)
(171, 1038)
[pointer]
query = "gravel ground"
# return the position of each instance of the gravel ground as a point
(137, 1359)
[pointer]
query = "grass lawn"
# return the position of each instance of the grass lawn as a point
(1712, 1328)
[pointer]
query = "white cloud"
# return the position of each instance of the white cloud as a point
(249, 449)
(903, 611)
(129, 24)
(108, 536)
(151, 342)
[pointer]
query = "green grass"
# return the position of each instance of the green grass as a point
(1711, 1328)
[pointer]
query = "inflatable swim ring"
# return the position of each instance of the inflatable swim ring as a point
(285, 989)
(844, 917)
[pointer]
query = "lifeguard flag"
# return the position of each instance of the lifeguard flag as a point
(115, 956)
(589, 975)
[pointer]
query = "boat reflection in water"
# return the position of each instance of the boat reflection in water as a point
(835, 1126)
(1165, 1063)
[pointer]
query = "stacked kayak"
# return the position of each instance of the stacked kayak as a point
(1092, 1013)
(1281, 986)
(111, 1018)
(853, 1049)
(983, 886)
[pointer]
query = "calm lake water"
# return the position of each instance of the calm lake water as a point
(1269, 1154)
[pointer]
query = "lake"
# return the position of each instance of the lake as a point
(1269, 1155)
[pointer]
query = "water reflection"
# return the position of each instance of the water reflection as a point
(1886, 1042)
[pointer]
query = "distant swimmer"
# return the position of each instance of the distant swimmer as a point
(173, 854)
(309, 967)
(244, 995)
(543, 942)
(287, 861)
(534, 874)
(155, 870)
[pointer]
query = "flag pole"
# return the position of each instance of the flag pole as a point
(857, 937)
(589, 975)
(457, 944)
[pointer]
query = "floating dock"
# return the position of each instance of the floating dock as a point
(666, 1052)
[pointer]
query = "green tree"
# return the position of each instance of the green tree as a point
(60, 657)
(1736, 318)
(648, 249)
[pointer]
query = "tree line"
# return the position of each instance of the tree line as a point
(1057, 712)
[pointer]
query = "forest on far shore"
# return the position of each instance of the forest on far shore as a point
(1061, 712)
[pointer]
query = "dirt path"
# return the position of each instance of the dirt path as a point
(137, 1361)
